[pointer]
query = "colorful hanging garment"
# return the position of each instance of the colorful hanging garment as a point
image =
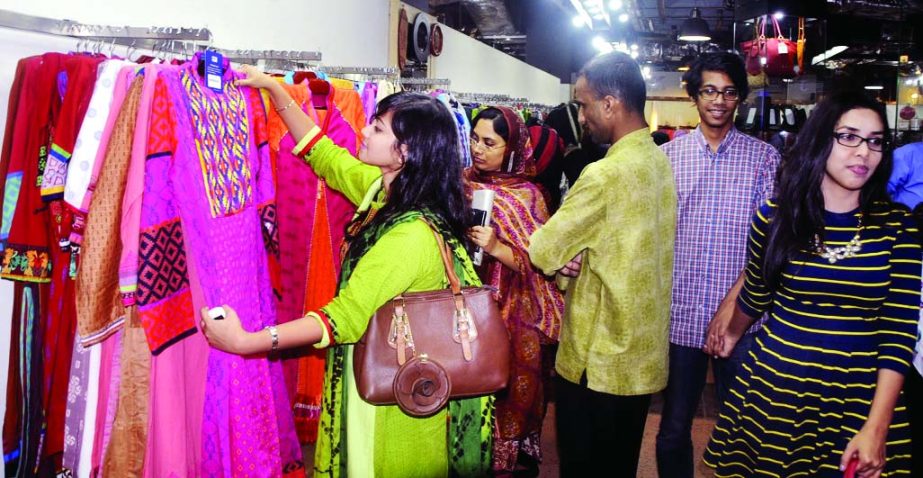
(210, 149)
(99, 306)
(60, 314)
(314, 279)
(124, 456)
(26, 251)
(90, 148)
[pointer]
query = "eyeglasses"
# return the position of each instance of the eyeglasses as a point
(711, 94)
(850, 140)
(475, 144)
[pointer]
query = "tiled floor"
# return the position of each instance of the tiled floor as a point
(647, 468)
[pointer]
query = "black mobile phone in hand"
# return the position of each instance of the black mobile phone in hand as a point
(478, 218)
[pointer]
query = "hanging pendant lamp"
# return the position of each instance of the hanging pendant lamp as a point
(694, 28)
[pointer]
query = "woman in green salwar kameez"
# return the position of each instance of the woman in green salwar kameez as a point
(408, 170)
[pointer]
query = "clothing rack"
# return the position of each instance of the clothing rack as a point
(425, 81)
(372, 72)
(488, 98)
(160, 38)
(249, 56)
(501, 100)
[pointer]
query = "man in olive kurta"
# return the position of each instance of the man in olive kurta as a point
(620, 218)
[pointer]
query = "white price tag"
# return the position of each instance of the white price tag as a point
(214, 82)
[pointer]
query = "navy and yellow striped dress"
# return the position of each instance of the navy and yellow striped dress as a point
(807, 386)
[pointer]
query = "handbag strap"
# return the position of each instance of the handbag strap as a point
(454, 282)
(801, 29)
(778, 29)
(760, 27)
(464, 330)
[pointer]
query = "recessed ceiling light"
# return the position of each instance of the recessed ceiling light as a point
(623, 17)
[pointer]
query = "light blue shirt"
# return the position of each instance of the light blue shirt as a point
(906, 187)
(906, 184)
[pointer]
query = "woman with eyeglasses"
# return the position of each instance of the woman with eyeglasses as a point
(836, 266)
(530, 303)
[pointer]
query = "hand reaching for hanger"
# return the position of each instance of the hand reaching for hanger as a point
(298, 123)
(256, 78)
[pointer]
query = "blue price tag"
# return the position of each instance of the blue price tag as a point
(213, 74)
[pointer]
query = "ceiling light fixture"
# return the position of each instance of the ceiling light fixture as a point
(615, 5)
(590, 10)
(623, 17)
(874, 87)
(694, 28)
(601, 45)
(828, 54)
(778, 15)
(582, 13)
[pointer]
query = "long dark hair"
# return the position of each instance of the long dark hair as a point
(431, 177)
(800, 212)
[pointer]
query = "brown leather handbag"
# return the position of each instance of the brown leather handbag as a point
(423, 348)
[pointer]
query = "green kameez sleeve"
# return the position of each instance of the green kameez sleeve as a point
(340, 169)
(405, 259)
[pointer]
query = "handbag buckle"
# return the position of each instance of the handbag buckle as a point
(400, 336)
(464, 331)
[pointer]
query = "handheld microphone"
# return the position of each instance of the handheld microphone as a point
(482, 204)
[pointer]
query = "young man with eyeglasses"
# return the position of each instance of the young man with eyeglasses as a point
(722, 177)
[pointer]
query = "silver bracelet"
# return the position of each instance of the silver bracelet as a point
(274, 334)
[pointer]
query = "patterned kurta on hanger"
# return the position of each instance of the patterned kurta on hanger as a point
(210, 148)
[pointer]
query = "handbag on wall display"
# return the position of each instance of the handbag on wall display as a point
(423, 348)
(776, 56)
(755, 49)
(801, 43)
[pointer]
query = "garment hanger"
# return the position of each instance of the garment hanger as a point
(319, 87)
(201, 66)
(301, 76)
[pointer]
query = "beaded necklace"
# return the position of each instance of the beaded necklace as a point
(833, 254)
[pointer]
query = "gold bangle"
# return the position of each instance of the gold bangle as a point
(289, 105)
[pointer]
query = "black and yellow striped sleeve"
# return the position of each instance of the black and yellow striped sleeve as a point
(754, 298)
(900, 312)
